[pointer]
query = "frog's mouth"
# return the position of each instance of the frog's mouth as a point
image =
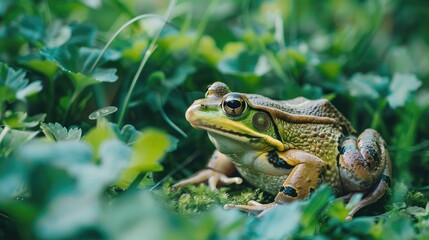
(205, 120)
(222, 131)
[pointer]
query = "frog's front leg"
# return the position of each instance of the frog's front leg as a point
(365, 167)
(302, 180)
(216, 173)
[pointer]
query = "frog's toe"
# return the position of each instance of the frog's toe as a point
(227, 180)
(200, 177)
(252, 207)
(221, 179)
(213, 179)
(254, 203)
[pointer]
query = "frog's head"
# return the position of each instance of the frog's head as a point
(234, 121)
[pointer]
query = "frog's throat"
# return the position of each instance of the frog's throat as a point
(238, 132)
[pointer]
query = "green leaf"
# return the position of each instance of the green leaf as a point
(367, 85)
(287, 216)
(39, 64)
(399, 228)
(80, 185)
(147, 159)
(129, 134)
(57, 34)
(96, 136)
(401, 88)
(14, 85)
(361, 225)
(58, 153)
(400, 60)
(179, 76)
(31, 28)
(160, 85)
(248, 66)
(66, 215)
(337, 210)
(4, 5)
(105, 74)
(77, 59)
(330, 68)
(56, 132)
(31, 89)
(82, 34)
(14, 139)
(230, 225)
(20, 120)
(11, 184)
(81, 81)
(298, 56)
(148, 150)
(312, 210)
(77, 62)
(128, 218)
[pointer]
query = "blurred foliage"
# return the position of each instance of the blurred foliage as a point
(64, 176)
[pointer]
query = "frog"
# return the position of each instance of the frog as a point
(287, 148)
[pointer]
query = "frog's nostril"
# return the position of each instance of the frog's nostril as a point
(204, 106)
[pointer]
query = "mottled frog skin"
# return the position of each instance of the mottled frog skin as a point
(287, 148)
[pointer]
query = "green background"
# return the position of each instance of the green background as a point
(66, 176)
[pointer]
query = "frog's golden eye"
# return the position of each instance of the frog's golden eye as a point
(234, 105)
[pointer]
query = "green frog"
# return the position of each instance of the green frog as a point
(287, 148)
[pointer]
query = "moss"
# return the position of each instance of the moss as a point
(197, 199)
(415, 198)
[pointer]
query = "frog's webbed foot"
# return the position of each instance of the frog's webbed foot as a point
(212, 177)
(253, 207)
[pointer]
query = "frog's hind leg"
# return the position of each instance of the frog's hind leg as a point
(365, 167)
(375, 194)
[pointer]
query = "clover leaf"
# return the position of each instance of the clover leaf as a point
(245, 65)
(76, 62)
(145, 158)
(14, 85)
(401, 88)
(367, 85)
(22, 120)
(56, 132)
(39, 64)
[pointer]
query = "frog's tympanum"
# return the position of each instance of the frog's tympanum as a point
(287, 148)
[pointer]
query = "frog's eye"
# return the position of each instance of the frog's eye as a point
(234, 105)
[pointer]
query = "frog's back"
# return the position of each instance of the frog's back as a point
(305, 107)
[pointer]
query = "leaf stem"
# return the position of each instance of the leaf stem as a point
(124, 106)
(1, 108)
(103, 51)
(4, 132)
(376, 120)
(167, 119)
(134, 185)
(146, 56)
(275, 64)
(74, 97)
(181, 165)
(200, 29)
